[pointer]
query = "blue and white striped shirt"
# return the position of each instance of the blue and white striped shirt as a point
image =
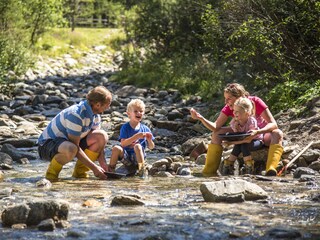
(76, 120)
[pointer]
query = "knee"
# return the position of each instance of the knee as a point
(137, 147)
(116, 149)
(72, 151)
(102, 137)
(277, 135)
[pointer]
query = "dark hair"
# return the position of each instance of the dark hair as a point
(99, 94)
(236, 90)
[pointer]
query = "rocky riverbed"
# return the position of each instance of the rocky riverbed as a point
(170, 203)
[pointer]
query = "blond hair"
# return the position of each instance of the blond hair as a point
(246, 104)
(136, 103)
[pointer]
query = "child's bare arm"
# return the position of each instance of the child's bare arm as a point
(128, 141)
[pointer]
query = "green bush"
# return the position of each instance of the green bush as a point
(15, 56)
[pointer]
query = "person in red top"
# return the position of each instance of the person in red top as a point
(272, 135)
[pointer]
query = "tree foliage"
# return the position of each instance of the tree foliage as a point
(21, 24)
(271, 46)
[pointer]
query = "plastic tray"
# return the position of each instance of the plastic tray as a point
(234, 136)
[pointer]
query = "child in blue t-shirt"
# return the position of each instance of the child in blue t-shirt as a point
(134, 137)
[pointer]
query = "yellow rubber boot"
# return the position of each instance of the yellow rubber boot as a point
(80, 170)
(248, 167)
(213, 160)
(274, 156)
(53, 170)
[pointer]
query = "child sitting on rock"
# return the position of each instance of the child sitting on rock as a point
(243, 121)
(134, 137)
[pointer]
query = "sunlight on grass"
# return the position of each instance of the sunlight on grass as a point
(61, 41)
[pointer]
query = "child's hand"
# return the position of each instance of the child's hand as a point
(148, 136)
(142, 135)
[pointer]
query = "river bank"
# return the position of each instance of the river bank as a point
(174, 207)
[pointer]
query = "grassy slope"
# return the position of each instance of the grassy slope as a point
(62, 40)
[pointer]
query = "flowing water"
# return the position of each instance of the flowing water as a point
(174, 208)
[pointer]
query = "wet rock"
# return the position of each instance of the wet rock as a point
(17, 154)
(231, 191)
(136, 222)
(201, 148)
(23, 161)
(162, 162)
(33, 213)
(5, 192)
(77, 234)
(316, 197)
(315, 166)
(46, 225)
(4, 166)
(201, 160)
(282, 233)
(16, 214)
(303, 171)
(184, 171)
(19, 226)
(43, 183)
(163, 174)
(47, 209)
(20, 143)
(192, 143)
(63, 224)
(175, 166)
(126, 200)
(5, 159)
(307, 178)
(176, 158)
(92, 203)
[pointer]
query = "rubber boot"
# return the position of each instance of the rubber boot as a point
(248, 167)
(80, 170)
(274, 156)
(228, 168)
(213, 160)
(53, 170)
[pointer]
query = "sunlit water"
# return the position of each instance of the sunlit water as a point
(174, 207)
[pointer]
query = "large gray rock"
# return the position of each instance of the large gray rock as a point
(17, 154)
(231, 191)
(15, 215)
(126, 200)
(33, 213)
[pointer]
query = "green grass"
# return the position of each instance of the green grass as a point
(61, 41)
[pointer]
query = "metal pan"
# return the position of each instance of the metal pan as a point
(113, 175)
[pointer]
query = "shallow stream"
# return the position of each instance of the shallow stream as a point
(174, 208)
